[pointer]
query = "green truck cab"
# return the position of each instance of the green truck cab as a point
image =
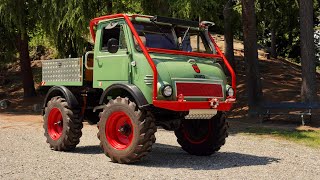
(144, 72)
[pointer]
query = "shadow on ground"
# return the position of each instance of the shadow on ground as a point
(167, 156)
(174, 157)
(88, 150)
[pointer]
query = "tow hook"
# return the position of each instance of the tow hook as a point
(180, 98)
(214, 103)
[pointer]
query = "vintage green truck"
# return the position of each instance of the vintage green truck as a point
(144, 72)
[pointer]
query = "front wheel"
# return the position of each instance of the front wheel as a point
(126, 134)
(202, 137)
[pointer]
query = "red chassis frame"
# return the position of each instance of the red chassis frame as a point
(174, 105)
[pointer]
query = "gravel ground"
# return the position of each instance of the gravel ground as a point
(25, 155)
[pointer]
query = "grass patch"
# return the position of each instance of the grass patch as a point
(306, 137)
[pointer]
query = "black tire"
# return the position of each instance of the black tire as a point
(126, 133)
(202, 137)
(66, 135)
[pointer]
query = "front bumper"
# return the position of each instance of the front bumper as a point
(187, 105)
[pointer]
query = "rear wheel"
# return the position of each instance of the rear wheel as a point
(202, 137)
(126, 134)
(62, 125)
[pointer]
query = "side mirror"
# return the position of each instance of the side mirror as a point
(113, 45)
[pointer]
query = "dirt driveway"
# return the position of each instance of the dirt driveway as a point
(25, 155)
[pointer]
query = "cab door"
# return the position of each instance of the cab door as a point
(110, 68)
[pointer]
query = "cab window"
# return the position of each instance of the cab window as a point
(113, 30)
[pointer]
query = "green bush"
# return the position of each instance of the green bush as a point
(41, 46)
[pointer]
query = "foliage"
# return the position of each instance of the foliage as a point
(7, 46)
(211, 10)
(127, 6)
(281, 16)
(69, 28)
(17, 18)
(64, 23)
(41, 46)
(194, 9)
(237, 20)
(20, 17)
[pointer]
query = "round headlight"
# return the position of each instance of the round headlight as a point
(167, 91)
(230, 91)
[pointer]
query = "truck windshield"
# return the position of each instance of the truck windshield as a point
(171, 37)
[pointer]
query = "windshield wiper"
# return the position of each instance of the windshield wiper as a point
(163, 33)
(183, 38)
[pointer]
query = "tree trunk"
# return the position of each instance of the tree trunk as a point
(254, 89)
(228, 33)
(273, 44)
(308, 87)
(26, 71)
(109, 7)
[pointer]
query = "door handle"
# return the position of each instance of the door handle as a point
(98, 60)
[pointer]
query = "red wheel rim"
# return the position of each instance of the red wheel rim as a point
(55, 123)
(119, 131)
(191, 137)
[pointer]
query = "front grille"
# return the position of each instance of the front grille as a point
(191, 89)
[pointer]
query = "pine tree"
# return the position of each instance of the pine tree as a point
(19, 17)
(308, 61)
(254, 89)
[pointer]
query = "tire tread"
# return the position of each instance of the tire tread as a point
(147, 128)
(73, 129)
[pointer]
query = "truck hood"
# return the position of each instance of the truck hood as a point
(180, 67)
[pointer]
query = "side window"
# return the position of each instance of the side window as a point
(113, 30)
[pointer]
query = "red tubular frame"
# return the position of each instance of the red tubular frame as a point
(173, 105)
(168, 51)
(226, 62)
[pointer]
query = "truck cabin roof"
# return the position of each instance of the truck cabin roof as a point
(156, 19)
(175, 21)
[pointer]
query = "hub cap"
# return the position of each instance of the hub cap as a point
(119, 131)
(55, 124)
